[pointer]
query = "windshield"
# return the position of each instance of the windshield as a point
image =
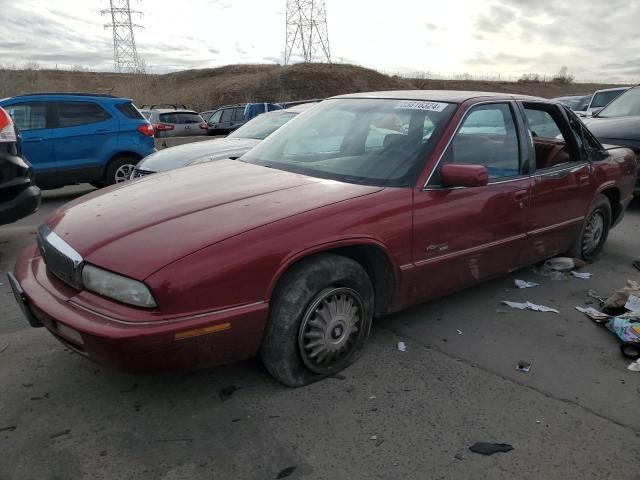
(263, 125)
(367, 141)
(626, 105)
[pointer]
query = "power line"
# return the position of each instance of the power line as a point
(307, 33)
(125, 53)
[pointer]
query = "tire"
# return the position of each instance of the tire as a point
(594, 232)
(630, 350)
(119, 170)
(314, 309)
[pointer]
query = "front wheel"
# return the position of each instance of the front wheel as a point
(319, 321)
(120, 170)
(594, 231)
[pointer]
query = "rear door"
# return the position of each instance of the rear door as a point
(226, 120)
(464, 235)
(34, 123)
(563, 185)
(171, 118)
(238, 118)
(85, 132)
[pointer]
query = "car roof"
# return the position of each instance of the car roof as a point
(171, 110)
(613, 89)
(450, 96)
(71, 96)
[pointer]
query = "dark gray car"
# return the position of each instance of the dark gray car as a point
(234, 146)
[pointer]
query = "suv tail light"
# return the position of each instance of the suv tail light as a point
(146, 129)
(7, 131)
(204, 125)
(163, 127)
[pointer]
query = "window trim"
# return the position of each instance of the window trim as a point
(518, 126)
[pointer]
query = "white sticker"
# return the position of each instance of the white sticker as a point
(421, 105)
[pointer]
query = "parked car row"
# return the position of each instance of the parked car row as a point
(587, 105)
(361, 206)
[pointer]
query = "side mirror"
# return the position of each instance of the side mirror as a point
(452, 175)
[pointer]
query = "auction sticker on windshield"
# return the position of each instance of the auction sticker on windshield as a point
(422, 105)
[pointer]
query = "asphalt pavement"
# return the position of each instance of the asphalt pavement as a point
(392, 415)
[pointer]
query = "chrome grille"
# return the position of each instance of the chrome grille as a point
(139, 172)
(61, 260)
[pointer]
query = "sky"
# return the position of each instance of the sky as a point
(595, 39)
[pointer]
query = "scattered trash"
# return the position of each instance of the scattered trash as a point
(538, 422)
(523, 284)
(583, 275)
(633, 304)
(627, 330)
(635, 366)
(523, 367)
(373, 437)
(620, 298)
(227, 392)
(286, 472)
(372, 397)
(593, 314)
(402, 347)
(564, 264)
(636, 263)
(594, 294)
(459, 331)
(484, 448)
(530, 306)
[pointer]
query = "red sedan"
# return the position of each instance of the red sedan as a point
(365, 205)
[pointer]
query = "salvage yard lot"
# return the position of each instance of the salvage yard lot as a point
(393, 414)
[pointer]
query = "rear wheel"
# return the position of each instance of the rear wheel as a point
(120, 170)
(594, 231)
(320, 318)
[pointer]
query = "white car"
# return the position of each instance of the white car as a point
(601, 99)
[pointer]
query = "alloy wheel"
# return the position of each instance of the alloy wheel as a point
(593, 233)
(123, 173)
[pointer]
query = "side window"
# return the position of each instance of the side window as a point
(71, 114)
(215, 118)
(487, 137)
(549, 141)
(239, 115)
(227, 115)
(28, 116)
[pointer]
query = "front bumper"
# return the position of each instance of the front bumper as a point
(167, 344)
(21, 206)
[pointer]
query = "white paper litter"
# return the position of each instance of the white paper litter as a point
(593, 314)
(524, 284)
(583, 275)
(634, 367)
(459, 332)
(402, 347)
(530, 306)
(633, 304)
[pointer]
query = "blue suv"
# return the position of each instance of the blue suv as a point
(74, 138)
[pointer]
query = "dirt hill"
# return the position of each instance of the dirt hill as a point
(212, 87)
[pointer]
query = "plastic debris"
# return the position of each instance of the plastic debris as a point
(634, 366)
(633, 304)
(564, 264)
(523, 367)
(594, 314)
(594, 294)
(459, 331)
(627, 330)
(620, 298)
(524, 284)
(373, 437)
(484, 448)
(530, 306)
(583, 275)
(402, 347)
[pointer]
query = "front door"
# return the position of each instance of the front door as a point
(563, 186)
(33, 121)
(464, 235)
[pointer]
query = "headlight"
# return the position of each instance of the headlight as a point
(112, 285)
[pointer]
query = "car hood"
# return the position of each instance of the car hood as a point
(138, 227)
(623, 128)
(182, 155)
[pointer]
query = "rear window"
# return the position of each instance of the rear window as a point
(168, 118)
(130, 111)
(602, 99)
(71, 114)
(188, 118)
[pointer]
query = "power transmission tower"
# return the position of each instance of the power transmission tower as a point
(307, 34)
(125, 53)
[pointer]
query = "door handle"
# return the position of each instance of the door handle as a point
(35, 139)
(584, 179)
(521, 197)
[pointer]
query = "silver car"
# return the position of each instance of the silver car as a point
(234, 146)
(177, 123)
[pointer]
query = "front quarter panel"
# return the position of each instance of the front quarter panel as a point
(244, 269)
